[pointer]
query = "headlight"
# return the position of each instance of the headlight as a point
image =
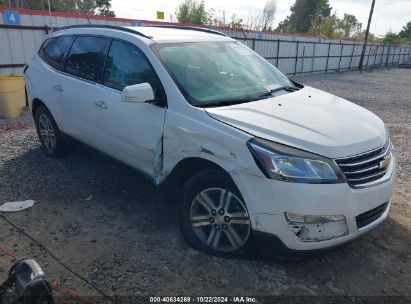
(290, 164)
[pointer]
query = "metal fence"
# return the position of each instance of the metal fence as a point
(299, 57)
(292, 54)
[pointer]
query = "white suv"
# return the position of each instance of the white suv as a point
(255, 157)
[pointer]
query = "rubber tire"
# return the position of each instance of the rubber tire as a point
(61, 145)
(198, 182)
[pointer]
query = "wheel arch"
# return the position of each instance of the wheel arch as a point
(35, 104)
(186, 167)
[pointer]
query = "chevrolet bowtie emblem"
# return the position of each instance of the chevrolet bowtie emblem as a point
(385, 162)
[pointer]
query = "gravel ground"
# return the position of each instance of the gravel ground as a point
(113, 227)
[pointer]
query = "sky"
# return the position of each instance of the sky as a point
(388, 14)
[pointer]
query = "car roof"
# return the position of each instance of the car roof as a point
(167, 34)
(152, 34)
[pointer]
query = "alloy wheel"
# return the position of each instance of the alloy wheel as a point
(220, 219)
(47, 132)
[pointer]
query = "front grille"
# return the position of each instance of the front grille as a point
(370, 216)
(364, 168)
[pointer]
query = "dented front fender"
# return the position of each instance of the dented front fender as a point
(200, 136)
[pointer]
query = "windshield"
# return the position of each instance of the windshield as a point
(218, 73)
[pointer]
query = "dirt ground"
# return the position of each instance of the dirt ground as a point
(109, 224)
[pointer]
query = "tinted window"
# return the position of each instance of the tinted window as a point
(126, 65)
(86, 57)
(54, 51)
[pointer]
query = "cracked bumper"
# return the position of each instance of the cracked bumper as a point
(268, 200)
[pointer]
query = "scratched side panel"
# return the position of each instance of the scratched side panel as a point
(198, 135)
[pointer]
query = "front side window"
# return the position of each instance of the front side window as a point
(217, 73)
(86, 57)
(126, 65)
(54, 51)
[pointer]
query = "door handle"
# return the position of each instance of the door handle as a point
(100, 104)
(58, 88)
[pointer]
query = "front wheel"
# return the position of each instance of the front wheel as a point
(213, 216)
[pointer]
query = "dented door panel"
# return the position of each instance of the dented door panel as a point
(132, 132)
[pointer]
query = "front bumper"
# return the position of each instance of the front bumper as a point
(267, 201)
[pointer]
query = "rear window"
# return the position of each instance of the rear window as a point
(54, 51)
(86, 57)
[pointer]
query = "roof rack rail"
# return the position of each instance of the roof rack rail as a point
(192, 28)
(113, 27)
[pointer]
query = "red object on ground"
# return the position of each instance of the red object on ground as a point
(14, 127)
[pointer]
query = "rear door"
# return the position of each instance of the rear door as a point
(53, 53)
(80, 86)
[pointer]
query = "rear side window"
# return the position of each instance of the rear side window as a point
(126, 65)
(54, 51)
(86, 57)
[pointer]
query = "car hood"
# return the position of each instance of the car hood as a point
(308, 119)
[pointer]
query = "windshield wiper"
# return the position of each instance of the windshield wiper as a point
(238, 101)
(287, 88)
(222, 103)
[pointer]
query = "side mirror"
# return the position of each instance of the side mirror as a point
(138, 93)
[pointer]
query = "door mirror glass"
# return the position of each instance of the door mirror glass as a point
(138, 93)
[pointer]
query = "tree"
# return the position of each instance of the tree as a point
(349, 25)
(236, 23)
(193, 12)
(403, 37)
(104, 8)
(323, 12)
(334, 27)
(283, 25)
(390, 37)
(89, 7)
(329, 27)
(371, 37)
(406, 31)
(262, 20)
(257, 20)
(266, 19)
(233, 23)
(307, 14)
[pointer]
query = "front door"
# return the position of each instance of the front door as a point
(132, 131)
(90, 100)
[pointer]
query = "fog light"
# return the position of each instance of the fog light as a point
(315, 228)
